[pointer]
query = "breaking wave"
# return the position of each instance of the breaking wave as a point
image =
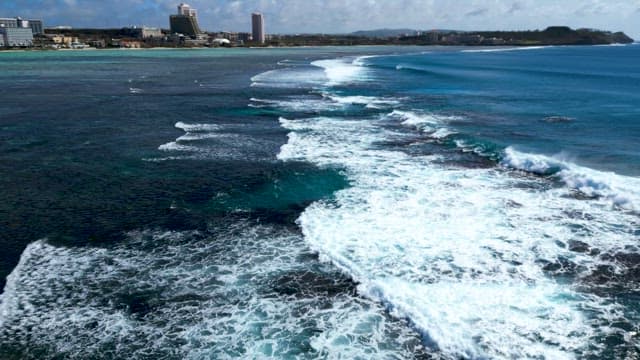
(191, 295)
(484, 263)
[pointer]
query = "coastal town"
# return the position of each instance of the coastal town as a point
(185, 32)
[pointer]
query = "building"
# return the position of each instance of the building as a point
(185, 9)
(22, 23)
(151, 33)
(143, 32)
(130, 44)
(16, 36)
(15, 32)
(62, 40)
(257, 26)
(8, 23)
(37, 28)
(185, 22)
(244, 37)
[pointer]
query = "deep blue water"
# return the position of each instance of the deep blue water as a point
(362, 202)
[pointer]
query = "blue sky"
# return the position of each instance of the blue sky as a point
(332, 16)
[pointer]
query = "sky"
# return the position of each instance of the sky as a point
(340, 16)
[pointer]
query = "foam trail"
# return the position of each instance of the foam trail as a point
(195, 296)
(289, 77)
(305, 104)
(196, 127)
(524, 48)
(458, 252)
(174, 146)
(434, 125)
(371, 102)
(622, 191)
(342, 71)
(213, 141)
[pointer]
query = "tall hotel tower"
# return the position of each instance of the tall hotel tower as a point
(185, 22)
(257, 22)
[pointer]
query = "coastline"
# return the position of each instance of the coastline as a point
(478, 48)
(551, 36)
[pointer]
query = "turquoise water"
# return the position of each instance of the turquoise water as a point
(361, 202)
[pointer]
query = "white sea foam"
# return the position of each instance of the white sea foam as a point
(434, 125)
(287, 62)
(196, 127)
(221, 143)
(523, 48)
(174, 146)
(442, 133)
(371, 102)
(198, 136)
(623, 191)
(297, 104)
(362, 60)
(342, 71)
(290, 77)
(193, 132)
(459, 252)
(613, 45)
(196, 296)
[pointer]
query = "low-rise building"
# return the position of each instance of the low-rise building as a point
(62, 39)
(143, 32)
(130, 44)
(151, 33)
(98, 44)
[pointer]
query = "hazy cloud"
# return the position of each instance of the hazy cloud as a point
(334, 16)
(477, 12)
(515, 8)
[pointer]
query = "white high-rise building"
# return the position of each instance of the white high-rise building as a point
(185, 9)
(257, 25)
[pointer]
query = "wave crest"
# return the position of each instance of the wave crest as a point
(622, 191)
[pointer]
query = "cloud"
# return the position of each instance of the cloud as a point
(515, 8)
(477, 12)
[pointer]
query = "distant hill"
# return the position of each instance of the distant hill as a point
(553, 35)
(384, 33)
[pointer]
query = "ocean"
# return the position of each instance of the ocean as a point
(331, 203)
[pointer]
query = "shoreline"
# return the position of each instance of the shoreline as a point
(479, 47)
